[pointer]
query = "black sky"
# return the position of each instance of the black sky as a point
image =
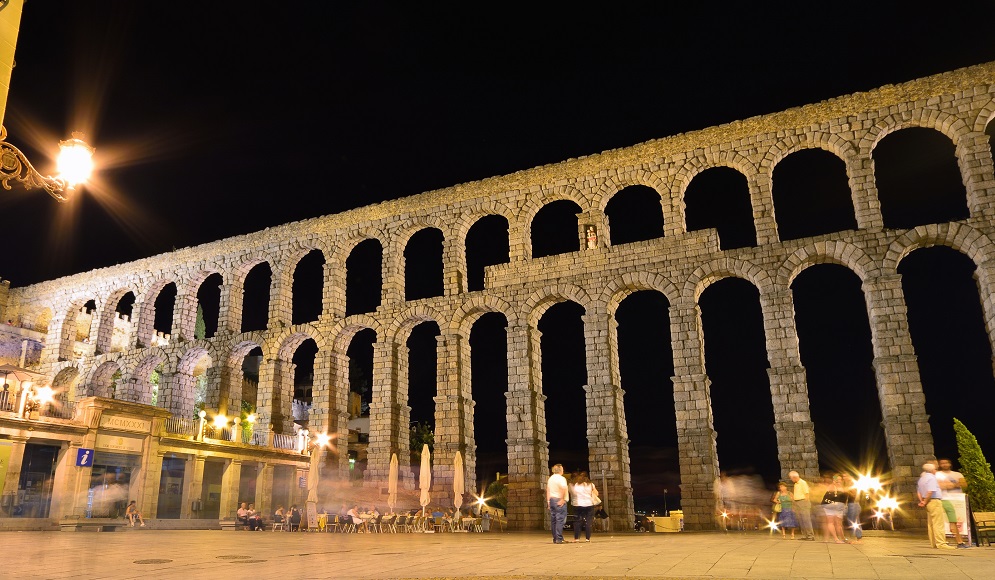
(223, 118)
(240, 117)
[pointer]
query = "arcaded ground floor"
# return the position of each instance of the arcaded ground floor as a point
(194, 555)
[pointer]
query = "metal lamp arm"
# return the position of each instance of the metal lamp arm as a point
(15, 165)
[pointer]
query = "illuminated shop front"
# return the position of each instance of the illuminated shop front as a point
(111, 452)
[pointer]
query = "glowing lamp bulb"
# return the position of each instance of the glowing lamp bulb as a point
(44, 395)
(220, 421)
(322, 439)
(888, 503)
(75, 161)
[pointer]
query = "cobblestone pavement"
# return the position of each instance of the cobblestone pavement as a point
(192, 555)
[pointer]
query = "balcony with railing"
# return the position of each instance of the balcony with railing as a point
(21, 413)
(197, 430)
(21, 404)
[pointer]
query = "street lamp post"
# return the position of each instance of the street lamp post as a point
(303, 438)
(75, 163)
(200, 429)
(25, 387)
(251, 419)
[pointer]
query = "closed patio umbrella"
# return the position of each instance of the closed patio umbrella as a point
(425, 477)
(392, 483)
(458, 480)
(312, 476)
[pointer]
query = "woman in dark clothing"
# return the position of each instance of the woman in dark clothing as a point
(294, 517)
(834, 503)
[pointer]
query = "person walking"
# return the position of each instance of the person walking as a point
(930, 497)
(853, 509)
(834, 505)
(556, 502)
(784, 513)
(801, 505)
(951, 483)
(583, 496)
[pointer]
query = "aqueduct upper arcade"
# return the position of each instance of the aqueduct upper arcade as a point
(595, 263)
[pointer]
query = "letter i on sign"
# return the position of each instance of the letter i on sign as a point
(84, 458)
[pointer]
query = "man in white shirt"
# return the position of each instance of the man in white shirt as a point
(242, 514)
(556, 501)
(929, 493)
(801, 504)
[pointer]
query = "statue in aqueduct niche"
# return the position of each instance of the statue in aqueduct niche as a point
(591, 234)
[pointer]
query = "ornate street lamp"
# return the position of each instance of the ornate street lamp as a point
(200, 429)
(75, 163)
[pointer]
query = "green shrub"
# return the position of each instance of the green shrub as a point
(974, 468)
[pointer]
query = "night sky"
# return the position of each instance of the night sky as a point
(216, 119)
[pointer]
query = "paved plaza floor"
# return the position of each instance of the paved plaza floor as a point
(193, 555)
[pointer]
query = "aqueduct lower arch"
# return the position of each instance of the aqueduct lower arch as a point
(679, 264)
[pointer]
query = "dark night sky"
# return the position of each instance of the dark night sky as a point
(220, 118)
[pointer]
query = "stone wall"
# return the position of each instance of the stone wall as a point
(680, 265)
(20, 347)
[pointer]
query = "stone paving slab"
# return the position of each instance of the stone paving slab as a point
(195, 555)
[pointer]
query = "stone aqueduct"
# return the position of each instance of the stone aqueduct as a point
(680, 264)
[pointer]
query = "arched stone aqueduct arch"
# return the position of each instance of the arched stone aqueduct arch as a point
(679, 265)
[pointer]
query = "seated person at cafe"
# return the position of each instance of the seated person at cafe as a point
(354, 517)
(255, 518)
(295, 518)
(242, 514)
(278, 515)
